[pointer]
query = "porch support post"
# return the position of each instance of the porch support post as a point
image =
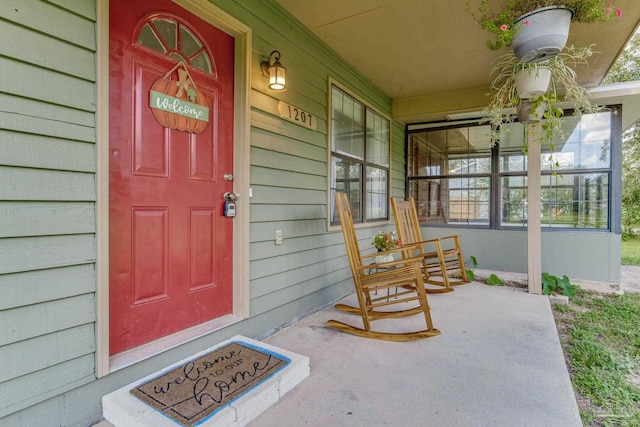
(534, 195)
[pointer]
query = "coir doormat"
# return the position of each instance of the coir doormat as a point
(198, 389)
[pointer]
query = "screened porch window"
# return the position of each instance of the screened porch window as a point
(450, 175)
(457, 178)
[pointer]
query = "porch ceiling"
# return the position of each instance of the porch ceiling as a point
(430, 56)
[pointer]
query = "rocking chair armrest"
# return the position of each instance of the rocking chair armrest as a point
(453, 236)
(437, 239)
(428, 241)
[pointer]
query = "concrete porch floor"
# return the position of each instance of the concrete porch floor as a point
(498, 362)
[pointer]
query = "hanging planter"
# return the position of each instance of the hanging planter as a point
(527, 114)
(532, 82)
(542, 33)
(505, 96)
(511, 21)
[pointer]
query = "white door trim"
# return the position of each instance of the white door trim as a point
(242, 109)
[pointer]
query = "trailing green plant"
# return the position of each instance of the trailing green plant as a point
(563, 86)
(494, 280)
(470, 273)
(501, 22)
(553, 284)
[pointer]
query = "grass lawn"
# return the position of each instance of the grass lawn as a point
(631, 251)
(600, 337)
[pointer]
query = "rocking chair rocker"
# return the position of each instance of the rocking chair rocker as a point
(404, 275)
(442, 264)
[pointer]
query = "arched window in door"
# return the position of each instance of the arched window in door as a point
(170, 37)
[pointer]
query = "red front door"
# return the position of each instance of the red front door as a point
(170, 245)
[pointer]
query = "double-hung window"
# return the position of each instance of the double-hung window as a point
(360, 157)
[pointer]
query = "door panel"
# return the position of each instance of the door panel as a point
(170, 245)
(203, 267)
(150, 143)
(149, 262)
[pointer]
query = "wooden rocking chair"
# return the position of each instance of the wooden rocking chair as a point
(443, 264)
(404, 275)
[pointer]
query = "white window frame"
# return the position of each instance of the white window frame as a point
(330, 156)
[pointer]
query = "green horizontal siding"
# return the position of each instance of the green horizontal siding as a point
(41, 50)
(18, 122)
(287, 281)
(21, 219)
(270, 159)
(315, 286)
(33, 287)
(286, 196)
(274, 212)
(306, 271)
(320, 260)
(37, 184)
(304, 250)
(86, 9)
(264, 231)
(46, 350)
(43, 152)
(41, 84)
(313, 148)
(37, 253)
(39, 319)
(46, 413)
(47, 202)
(38, 117)
(285, 178)
(44, 384)
(68, 26)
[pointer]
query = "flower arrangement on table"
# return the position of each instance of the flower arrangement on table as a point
(501, 23)
(385, 241)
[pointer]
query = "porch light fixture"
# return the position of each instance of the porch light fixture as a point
(273, 69)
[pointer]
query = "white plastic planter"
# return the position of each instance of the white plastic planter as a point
(384, 258)
(543, 33)
(532, 82)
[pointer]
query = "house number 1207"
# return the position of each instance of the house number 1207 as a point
(296, 115)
